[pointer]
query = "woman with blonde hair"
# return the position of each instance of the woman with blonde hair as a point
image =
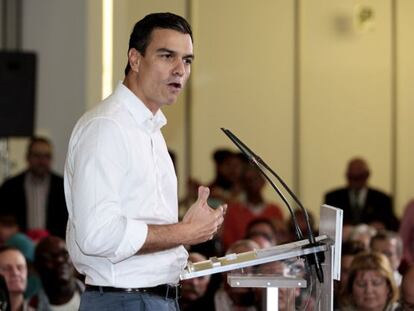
(371, 285)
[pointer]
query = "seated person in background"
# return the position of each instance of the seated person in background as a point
(26, 246)
(371, 285)
(8, 228)
(361, 203)
(407, 232)
(226, 186)
(287, 296)
(36, 197)
(193, 290)
(236, 298)
(240, 214)
(61, 289)
(389, 243)
(301, 220)
(346, 231)
(363, 234)
(349, 250)
(14, 270)
(261, 227)
(4, 295)
(407, 291)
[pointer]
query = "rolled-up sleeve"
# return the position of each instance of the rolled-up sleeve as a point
(100, 164)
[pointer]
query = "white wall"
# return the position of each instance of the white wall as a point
(55, 31)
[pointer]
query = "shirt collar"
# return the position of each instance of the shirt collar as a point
(142, 115)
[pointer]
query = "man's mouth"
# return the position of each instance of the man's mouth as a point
(175, 85)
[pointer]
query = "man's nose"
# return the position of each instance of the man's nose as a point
(15, 271)
(179, 68)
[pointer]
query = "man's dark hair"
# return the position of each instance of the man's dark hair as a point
(35, 140)
(352, 248)
(141, 34)
(259, 221)
(220, 155)
(384, 235)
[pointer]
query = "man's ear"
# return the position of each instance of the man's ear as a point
(134, 58)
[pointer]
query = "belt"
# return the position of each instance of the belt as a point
(164, 290)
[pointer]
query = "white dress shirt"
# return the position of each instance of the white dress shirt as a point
(119, 177)
(37, 192)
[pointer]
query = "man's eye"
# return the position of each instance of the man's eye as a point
(167, 56)
(188, 61)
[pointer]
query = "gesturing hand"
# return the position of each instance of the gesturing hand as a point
(202, 220)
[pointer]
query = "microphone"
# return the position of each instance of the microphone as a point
(314, 259)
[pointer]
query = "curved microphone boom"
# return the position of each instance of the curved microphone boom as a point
(314, 258)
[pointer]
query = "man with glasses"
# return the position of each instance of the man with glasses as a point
(36, 197)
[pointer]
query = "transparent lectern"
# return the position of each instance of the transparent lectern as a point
(329, 242)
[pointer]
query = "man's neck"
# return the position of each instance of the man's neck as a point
(132, 86)
(38, 178)
(254, 198)
(16, 302)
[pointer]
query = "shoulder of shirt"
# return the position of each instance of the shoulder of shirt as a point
(110, 108)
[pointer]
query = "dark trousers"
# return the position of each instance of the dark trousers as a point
(136, 301)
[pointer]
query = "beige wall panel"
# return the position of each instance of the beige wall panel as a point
(345, 95)
(243, 80)
(126, 14)
(405, 98)
(93, 70)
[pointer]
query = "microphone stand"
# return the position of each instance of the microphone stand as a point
(314, 259)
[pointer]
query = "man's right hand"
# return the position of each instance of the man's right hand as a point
(201, 220)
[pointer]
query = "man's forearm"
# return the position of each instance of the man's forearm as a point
(162, 237)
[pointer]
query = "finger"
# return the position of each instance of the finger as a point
(203, 193)
(224, 209)
(220, 221)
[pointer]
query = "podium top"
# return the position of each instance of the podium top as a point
(331, 234)
(253, 258)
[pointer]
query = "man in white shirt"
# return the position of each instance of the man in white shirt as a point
(121, 189)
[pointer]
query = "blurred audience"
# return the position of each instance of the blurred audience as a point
(406, 302)
(363, 234)
(349, 250)
(61, 289)
(371, 285)
(8, 228)
(36, 197)
(262, 231)
(389, 243)
(360, 202)
(407, 232)
(229, 298)
(240, 214)
(14, 270)
(301, 222)
(193, 291)
(226, 186)
(287, 296)
(26, 246)
(4, 295)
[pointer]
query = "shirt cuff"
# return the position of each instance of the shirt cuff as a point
(134, 238)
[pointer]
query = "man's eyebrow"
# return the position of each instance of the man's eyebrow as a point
(165, 50)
